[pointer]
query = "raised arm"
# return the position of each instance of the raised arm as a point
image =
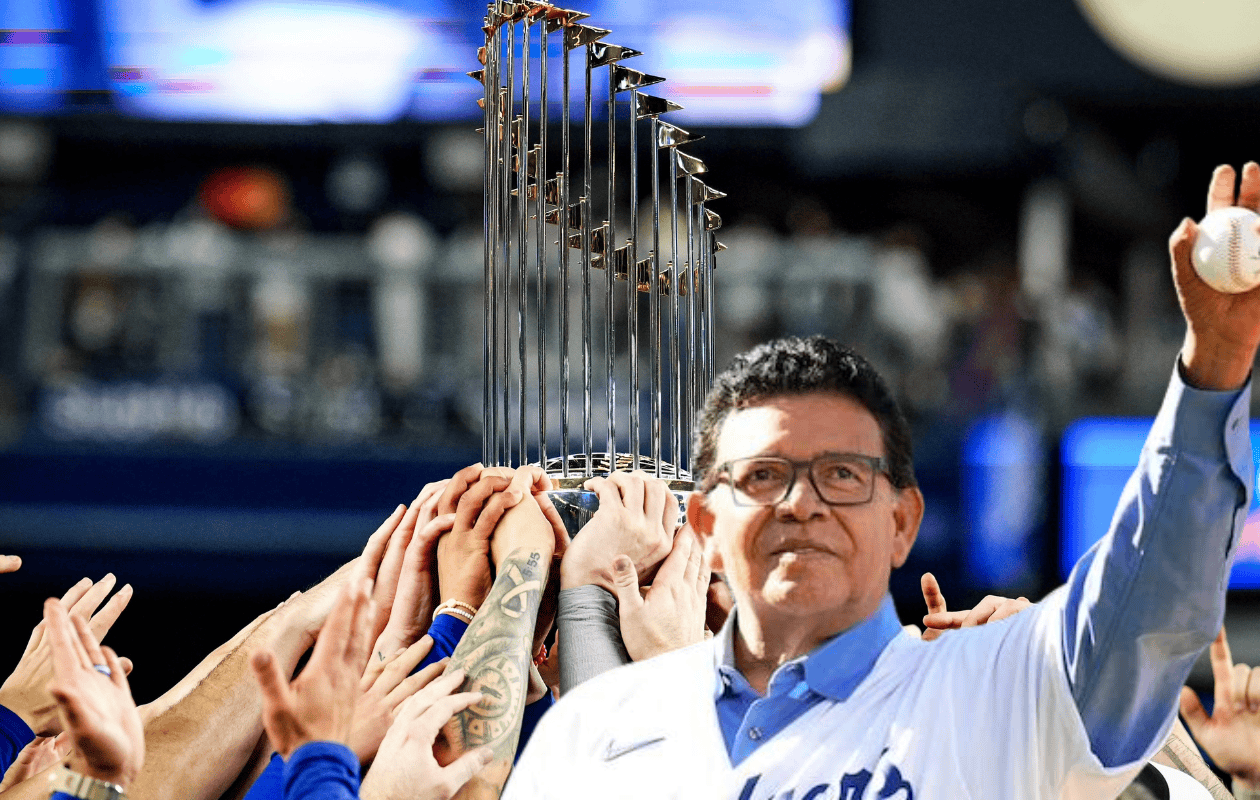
(1150, 596)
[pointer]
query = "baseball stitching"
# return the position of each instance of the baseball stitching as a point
(1235, 254)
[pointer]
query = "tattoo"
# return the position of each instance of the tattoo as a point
(380, 654)
(495, 656)
(1176, 755)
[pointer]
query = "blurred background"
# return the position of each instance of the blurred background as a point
(240, 267)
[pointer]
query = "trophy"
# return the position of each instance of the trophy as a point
(559, 235)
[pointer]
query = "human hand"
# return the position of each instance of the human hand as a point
(526, 526)
(25, 691)
(383, 688)
(405, 768)
(463, 554)
(411, 611)
(939, 619)
(637, 517)
(1231, 736)
(670, 614)
(41, 753)
(319, 704)
(10, 564)
(93, 699)
(1222, 330)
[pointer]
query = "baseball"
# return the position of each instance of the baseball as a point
(1227, 250)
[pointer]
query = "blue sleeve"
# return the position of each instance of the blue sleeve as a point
(321, 771)
(446, 631)
(533, 713)
(14, 735)
(270, 784)
(1150, 596)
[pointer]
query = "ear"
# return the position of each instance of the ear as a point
(907, 515)
(701, 519)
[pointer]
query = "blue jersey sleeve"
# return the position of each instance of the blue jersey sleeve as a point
(321, 771)
(14, 735)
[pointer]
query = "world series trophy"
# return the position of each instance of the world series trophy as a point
(644, 328)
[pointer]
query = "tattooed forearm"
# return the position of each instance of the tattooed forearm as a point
(495, 656)
(1180, 756)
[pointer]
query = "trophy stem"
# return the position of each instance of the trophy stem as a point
(522, 204)
(509, 122)
(632, 283)
(565, 134)
(588, 332)
(610, 252)
(675, 286)
(654, 295)
(540, 234)
(690, 274)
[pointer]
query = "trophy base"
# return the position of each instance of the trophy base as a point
(576, 505)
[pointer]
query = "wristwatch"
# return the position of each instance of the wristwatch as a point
(85, 788)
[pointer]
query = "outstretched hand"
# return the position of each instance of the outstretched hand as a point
(1231, 736)
(637, 517)
(319, 704)
(670, 614)
(940, 619)
(25, 692)
(93, 700)
(1223, 330)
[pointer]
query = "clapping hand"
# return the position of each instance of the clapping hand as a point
(319, 704)
(93, 700)
(1231, 736)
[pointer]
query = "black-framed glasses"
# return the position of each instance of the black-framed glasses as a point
(840, 479)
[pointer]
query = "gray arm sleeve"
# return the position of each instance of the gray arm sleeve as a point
(590, 635)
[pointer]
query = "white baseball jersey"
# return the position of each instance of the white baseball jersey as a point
(983, 713)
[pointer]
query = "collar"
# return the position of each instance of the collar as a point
(833, 669)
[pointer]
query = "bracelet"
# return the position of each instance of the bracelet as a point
(83, 787)
(457, 606)
(454, 611)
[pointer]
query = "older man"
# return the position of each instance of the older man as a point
(811, 691)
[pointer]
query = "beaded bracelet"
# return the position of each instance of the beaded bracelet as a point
(456, 607)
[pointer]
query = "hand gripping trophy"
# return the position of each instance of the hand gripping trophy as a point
(644, 324)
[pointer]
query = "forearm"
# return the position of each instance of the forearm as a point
(1144, 602)
(495, 656)
(1180, 753)
(589, 628)
(196, 749)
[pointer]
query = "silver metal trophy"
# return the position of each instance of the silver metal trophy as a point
(642, 334)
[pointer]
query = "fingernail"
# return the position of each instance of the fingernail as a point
(621, 565)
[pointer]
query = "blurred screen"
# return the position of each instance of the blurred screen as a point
(321, 61)
(1098, 456)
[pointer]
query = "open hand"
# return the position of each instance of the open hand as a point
(25, 692)
(1231, 736)
(383, 689)
(405, 768)
(670, 614)
(42, 752)
(319, 704)
(939, 619)
(93, 700)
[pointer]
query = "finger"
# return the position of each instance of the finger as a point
(104, 619)
(525, 479)
(462, 770)
(1241, 673)
(1253, 690)
(401, 666)
(374, 550)
(705, 574)
(74, 593)
(390, 572)
(86, 606)
(609, 493)
(10, 564)
(359, 642)
(1221, 188)
(431, 721)
(473, 500)
(414, 580)
(494, 510)
(932, 594)
(1249, 187)
(626, 585)
(90, 645)
(1222, 669)
(632, 489)
(946, 620)
(274, 686)
(334, 637)
(981, 613)
(127, 664)
(436, 689)
(66, 656)
(1192, 712)
(429, 497)
(538, 479)
(117, 675)
(1010, 608)
(558, 528)
(674, 567)
(669, 518)
(455, 488)
(414, 683)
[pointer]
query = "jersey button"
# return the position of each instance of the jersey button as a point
(754, 734)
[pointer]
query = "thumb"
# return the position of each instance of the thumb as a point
(626, 584)
(1192, 711)
(270, 680)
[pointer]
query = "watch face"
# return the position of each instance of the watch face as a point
(1211, 43)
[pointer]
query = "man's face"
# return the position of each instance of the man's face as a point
(803, 557)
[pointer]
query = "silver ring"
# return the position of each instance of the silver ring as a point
(104, 670)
